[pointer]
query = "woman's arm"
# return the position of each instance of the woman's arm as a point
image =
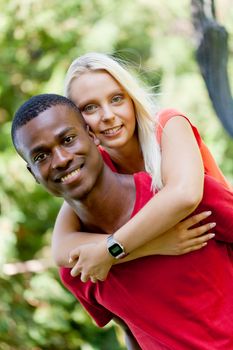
(183, 174)
(181, 239)
(183, 177)
(182, 171)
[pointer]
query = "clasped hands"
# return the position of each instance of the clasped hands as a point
(93, 261)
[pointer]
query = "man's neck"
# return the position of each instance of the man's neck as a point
(109, 205)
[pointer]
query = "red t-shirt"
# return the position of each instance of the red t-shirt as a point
(171, 302)
(176, 303)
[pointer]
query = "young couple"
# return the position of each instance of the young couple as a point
(168, 302)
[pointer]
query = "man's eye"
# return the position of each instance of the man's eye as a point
(89, 108)
(68, 139)
(40, 157)
(117, 98)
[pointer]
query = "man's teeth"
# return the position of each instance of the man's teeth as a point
(73, 173)
(112, 131)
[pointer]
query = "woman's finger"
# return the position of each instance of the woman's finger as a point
(73, 256)
(199, 241)
(198, 231)
(194, 248)
(84, 278)
(101, 278)
(93, 279)
(195, 219)
(76, 270)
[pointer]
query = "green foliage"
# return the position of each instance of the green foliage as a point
(37, 313)
(38, 41)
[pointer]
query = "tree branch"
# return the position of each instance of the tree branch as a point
(212, 57)
(27, 266)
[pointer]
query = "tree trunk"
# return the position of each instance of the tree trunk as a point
(212, 56)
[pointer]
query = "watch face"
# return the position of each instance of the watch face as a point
(115, 249)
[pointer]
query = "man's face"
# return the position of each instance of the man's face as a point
(60, 153)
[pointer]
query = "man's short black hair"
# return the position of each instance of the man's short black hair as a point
(35, 106)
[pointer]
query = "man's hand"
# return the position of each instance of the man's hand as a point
(93, 262)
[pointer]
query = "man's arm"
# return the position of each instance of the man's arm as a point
(130, 340)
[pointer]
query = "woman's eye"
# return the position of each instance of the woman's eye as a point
(89, 108)
(117, 98)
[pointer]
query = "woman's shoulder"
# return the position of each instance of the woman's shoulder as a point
(164, 115)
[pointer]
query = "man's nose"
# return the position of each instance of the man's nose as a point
(61, 158)
(107, 113)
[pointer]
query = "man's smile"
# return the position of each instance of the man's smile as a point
(70, 175)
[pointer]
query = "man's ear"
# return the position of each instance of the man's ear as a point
(93, 136)
(30, 171)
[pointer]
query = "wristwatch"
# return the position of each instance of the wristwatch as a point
(115, 248)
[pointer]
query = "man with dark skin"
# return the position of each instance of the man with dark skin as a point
(50, 135)
(86, 157)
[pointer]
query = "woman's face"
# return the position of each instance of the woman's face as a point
(106, 107)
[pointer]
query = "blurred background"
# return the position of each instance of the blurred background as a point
(38, 41)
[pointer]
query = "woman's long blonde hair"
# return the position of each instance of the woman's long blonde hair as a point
(144, 103)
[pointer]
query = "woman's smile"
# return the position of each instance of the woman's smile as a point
(112, 131)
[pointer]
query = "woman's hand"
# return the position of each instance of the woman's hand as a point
(93, 261)
(182, 238)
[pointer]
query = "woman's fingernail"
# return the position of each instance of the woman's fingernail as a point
(211, 235)
(213, 224)
(207, 213)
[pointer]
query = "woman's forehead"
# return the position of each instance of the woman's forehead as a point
(92, 84)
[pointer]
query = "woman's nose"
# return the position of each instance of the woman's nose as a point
(107, 114)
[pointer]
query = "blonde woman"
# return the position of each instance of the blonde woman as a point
(133, 136)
